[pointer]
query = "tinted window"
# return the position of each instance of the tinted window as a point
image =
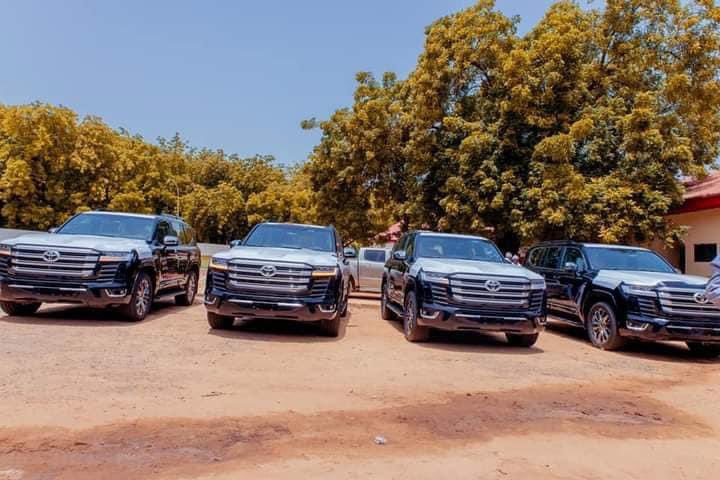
(465, 248)
(374, 256)
(574, 255)
(164, 229)
(400, 245)
(292, 236)
(705, 252)
(627, 259)
(110, 225)
(535, 257)
(552, 258)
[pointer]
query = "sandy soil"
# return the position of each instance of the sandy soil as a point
(84, 395)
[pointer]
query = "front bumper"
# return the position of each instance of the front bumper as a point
(446, 317)
(229, 304)
(655, 328)
(91, 295)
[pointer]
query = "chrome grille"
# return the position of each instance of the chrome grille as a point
(107, 272)
(77, 263)
(647, 306)
(514, 292)
(680, 302)
(288, 277)
(4, 264)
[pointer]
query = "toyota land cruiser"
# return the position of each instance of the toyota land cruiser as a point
(617, 292)
(280, 270)
(460, 282)
(101, 259)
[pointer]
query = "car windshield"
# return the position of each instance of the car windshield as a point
(464, 248)
(292, 236)
(124, 226)
(604, 258)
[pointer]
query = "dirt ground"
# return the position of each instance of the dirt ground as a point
(84, 395)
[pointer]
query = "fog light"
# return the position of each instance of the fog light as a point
(327, 308)
(428, 314)
(636, 326)
(116, 292)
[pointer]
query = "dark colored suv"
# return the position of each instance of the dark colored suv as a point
(617, 292)
(101, 259)
(460, 282)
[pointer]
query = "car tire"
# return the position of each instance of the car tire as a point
(602, 327)
(141, 299)
(331, 327)
(704, 350)
(413, 332)
(19, 309)
(345, 303)
(188, 296)
(385, 312)
(522, 340)
(220, 322)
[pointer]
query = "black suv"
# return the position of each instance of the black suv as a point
(617, 292)
(460, 282)
(101, 259)
(280, 270)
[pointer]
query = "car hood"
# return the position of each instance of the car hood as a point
(450, 266)
(270, 254)
(114, 244)
(613, 278)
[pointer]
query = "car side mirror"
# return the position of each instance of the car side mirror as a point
(170, 241)
(571, 267)
(235, 243)
(53, 230)
(400, 255)
(350, 253)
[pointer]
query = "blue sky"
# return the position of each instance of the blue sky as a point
(236, 75)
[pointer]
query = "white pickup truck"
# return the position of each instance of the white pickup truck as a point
(366, 267)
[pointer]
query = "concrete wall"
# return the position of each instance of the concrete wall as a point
(703, 227)
(207, 249)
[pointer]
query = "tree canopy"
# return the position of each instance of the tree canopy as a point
(53, 165)
(582, 128)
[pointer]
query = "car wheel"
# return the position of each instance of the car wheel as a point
(188, 296)
(602, 327)
(704, 350)
(413, 331)
(330, 327)
(141, 298)
(385, 312)
(19, 309)
(219, 322)
(518, 340)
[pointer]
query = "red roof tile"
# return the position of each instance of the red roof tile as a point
(707, 187)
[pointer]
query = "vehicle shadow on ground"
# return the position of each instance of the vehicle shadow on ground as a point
(80, 316)
(280, 331)
(468, 341)
(671, 352)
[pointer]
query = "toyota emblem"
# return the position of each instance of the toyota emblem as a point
(492, 285)
(268, 270)
(51, 256)
(700, 298)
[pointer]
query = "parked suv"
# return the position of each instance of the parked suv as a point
(617, 292)
(460, 282)
(280, 270)
(101, 259)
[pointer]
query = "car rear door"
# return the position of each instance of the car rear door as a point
(371, 266)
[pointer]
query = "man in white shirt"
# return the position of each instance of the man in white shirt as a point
(712, 291)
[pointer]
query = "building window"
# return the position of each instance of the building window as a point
(705, 252)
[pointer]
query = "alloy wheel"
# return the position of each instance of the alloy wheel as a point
(600, 325)
(142, 299)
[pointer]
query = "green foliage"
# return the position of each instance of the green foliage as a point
(53, 165)
(581, 128)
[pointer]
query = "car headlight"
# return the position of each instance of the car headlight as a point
(435, 277)
(537, 284)
(319, 272)
(5, 249)
(219, 263)
(113, 256)
(638, 290)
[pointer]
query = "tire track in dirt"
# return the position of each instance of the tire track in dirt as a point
(154, 447)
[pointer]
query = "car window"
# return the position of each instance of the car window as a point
(410, 245)
(535, 257)
(164, 229)
(574, 255)
(374, 256)
(457, 247)
(400, 245)
(552, 258)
